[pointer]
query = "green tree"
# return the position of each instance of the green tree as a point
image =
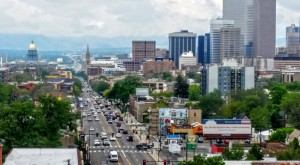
(281, 134)
(181, 87)
(236, 152)
(56, 114)
(99, 86)
(201, 160)
(194, 92)
(210, 104)
(277, 92)
(292, 153)
(260, 118)
(167, 76)
(20, 77)
(255, 153)
(78, 83)
(290, 105)
(4, 93)
(123, 88)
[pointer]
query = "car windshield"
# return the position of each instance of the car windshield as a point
(114, 156)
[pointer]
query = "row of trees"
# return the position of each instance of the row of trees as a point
(23, 124)
(236, 152)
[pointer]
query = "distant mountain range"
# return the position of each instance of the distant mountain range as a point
(21, 41)
(45, 43)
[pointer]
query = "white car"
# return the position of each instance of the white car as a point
(118, 135)
(96, 142)
(92, 129)
(97, 118)
(112, 138)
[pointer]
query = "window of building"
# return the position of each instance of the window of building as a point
(180, 114)
(173, 114)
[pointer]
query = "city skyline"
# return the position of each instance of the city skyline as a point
(139, 20)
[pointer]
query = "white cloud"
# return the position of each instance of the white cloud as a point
(111, 18)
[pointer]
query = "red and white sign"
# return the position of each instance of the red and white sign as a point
(215, 129)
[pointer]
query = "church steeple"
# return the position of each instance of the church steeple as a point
(88, 55)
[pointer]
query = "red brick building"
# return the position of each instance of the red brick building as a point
(153, 66)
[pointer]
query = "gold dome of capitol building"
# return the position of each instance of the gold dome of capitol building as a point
(32, 46)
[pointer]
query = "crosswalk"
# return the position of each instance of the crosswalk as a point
(100, 147)
(128, 151)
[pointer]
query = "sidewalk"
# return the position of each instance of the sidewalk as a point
(142, 138)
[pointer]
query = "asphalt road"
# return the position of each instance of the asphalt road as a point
(127, 153)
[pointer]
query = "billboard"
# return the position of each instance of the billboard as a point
(227, 128)
(142, 91)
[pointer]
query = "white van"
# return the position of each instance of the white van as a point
(113, 156)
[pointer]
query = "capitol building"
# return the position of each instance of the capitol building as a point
(32, 62)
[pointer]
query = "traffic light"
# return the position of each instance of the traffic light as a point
(165, 162)
(144, 162)
(97, 134)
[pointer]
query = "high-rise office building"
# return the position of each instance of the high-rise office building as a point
(180, 42)
(204, 49)
(215, 38)
(257, 20)
(141, 51)
(230, 42)
(241, 11)
(264, 28)
(292, 38)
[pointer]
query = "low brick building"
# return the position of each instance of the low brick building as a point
(157, 66)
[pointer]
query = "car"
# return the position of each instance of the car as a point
(90, 119)
(200, 139)
(118, 135)
(110, 121)
(120, 118)
(96, 142)
(112, 138)
(103, 135)
(92, 129)
(141, 147)
(130, 138)
(88, 114)
(122, 127)
(106, 142)
(96, 115)
(125, 132)
(97, 119)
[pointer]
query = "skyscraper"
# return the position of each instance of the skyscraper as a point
(215, 38)
(264, 28)
(241, 11)
(230, 42)
(143, 50)
(180, 42)
(204, 49)
(292, 38)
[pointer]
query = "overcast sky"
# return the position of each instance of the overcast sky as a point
(113, 18)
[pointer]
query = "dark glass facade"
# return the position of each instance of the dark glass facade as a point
(204, 49)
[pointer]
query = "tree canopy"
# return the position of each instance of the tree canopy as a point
(236, 152)
(194, 92)
(181, 87)
(201, 160)
(99, 86)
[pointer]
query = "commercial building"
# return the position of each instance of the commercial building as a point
(230, 42)
(158, 65)
(283, 62)
(179, 42)
(187, 59)
(227, 77)
(264, 28)
(241, 12)
(141, 51)
(161, 53)
(215, 38)
(290, 74)
(204, 49)
(292, 39)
